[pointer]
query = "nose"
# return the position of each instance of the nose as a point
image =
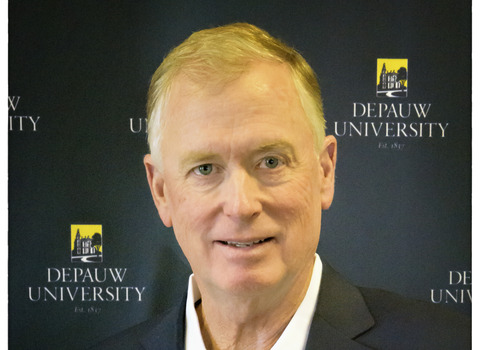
(241, 196)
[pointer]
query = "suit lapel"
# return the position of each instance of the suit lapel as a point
(324, 336)
(341, 314)
(169, 332)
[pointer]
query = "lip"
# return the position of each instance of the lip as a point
(242, 244)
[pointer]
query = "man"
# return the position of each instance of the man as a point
(241, 168)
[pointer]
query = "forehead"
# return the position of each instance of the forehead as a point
(262, 103)
(260, 83)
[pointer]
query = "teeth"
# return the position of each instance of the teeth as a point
(240, 245)
(243, 245)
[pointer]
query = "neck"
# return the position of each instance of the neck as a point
(249, 322)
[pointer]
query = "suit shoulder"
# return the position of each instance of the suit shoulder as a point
(412, 322)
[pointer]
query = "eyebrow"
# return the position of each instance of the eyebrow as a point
(278, 145)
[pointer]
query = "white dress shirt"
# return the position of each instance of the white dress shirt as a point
(295, 335)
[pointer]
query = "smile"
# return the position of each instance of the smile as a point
(244, 244)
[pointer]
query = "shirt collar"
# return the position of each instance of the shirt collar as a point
(295, 335)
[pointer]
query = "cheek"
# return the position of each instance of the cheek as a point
(300, 195)
(190, 215)
(193, 221)
(298, 207)
(179, 207)
(188, 228)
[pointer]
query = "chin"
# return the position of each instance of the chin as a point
(251, 282)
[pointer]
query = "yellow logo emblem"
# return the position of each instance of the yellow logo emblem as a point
(86, 243)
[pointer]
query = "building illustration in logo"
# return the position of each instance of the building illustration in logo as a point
(86, 243)
(392, 77)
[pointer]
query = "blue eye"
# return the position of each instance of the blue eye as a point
(271, 162)
(204, 169)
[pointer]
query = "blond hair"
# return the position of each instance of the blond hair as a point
(219, 55)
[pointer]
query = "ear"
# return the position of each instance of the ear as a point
(328, 161)
(156, 182)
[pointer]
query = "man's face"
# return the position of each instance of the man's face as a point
(242, 184)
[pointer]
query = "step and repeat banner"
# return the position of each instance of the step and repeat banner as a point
(88, 254)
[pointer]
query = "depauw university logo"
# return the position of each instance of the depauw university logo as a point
(86, 243)
(392, 77)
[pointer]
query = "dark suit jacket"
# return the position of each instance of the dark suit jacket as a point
(346, 317)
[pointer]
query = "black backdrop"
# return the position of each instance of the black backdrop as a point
(401, 218)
